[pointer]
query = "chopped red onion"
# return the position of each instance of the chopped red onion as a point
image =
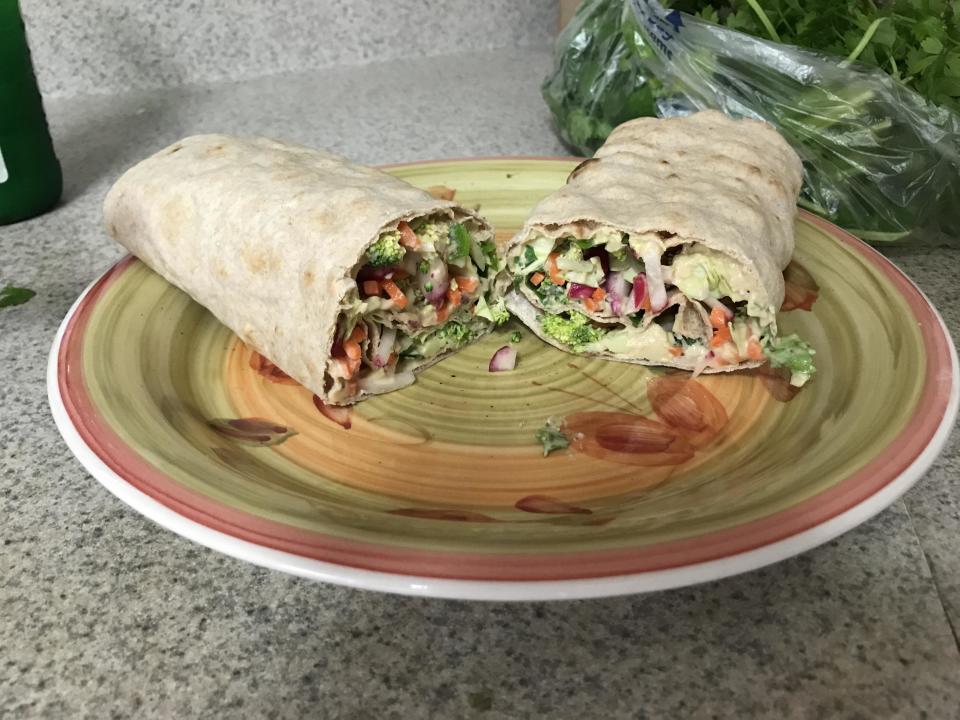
(437, 279)
(580, 292)
(639, 289)
(617, 290)
(381, 354)
(654, 272)
(504, 359)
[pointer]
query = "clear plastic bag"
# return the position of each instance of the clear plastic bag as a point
(879, 160)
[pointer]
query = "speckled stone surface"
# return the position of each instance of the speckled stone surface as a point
(103, 614)
(103, 46)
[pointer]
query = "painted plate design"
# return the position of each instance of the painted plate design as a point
(442, 489)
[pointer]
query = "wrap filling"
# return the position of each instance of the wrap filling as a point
(421, 291)
(651, 296)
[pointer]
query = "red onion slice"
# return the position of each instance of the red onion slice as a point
(503, 360)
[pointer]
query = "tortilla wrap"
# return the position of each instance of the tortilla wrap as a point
(269, 236)
(704, 184)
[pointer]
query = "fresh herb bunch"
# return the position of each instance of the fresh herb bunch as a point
(880, 159)
(915, 41)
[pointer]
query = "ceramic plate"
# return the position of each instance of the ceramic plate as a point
(442, 489)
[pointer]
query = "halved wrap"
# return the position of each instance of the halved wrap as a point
(667, 248)
(346, 278)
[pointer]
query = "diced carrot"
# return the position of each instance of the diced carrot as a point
(395, 293)
(718, 319)
(359, 332)
(352, 349)
(720, 336)
(537, 278)
(676, 351)
(468, 284)
(591, 304)
(754, 351)
(443, 312)
(599, 294)
(408, 238)
(455, 297)
(371, 287)
(551, 266)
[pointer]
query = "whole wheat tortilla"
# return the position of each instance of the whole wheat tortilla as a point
(265, 234)
(731, 185)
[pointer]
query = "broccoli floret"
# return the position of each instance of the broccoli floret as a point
(794, 354)
(516, 336)
(575, 331)
(386, 251)
(496, 313)
(552, 437)
(455, 334)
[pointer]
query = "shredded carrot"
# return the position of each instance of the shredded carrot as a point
(537, 278)
(551, 266)
(395, 293)
(408, 238)
(455, 297)
(676, 351)
(359, 332)
(468, 284)
(754, 351)
(371, 287)
(718, 318)
(599, 294)
(591, 304)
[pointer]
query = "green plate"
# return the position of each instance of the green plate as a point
(442, 489)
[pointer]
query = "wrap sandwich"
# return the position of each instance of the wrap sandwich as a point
(667, 248)
(347, 279)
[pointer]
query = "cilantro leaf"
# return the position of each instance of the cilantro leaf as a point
(10, 296)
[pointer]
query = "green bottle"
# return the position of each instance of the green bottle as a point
(30, 178)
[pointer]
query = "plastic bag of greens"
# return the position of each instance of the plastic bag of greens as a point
(879, 159)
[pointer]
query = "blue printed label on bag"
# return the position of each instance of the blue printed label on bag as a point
(660, 25)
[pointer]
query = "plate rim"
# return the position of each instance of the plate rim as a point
(508, 590)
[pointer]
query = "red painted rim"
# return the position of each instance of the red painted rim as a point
(864, 483)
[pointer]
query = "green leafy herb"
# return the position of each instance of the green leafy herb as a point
(489, 249)
(460, 242)
(552, 437)
(10, 296)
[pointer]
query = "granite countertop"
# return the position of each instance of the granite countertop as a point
(104, 614)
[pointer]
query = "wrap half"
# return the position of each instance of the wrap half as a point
(667, 248)
(346, 278)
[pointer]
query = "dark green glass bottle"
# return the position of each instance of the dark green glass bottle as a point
(30, 178)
